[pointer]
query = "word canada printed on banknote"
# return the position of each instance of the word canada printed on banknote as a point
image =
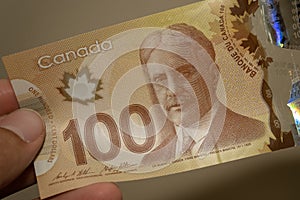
(167, 93)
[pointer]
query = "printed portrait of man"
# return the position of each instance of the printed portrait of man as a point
(180, 65)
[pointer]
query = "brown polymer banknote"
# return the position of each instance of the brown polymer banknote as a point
(167, 93)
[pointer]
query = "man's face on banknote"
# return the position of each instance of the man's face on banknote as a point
(178, 87)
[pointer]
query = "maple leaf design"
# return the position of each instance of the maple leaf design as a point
(80, 88)
(251, 43)
(265, 62)
(214, 28)
(215, 24)
(242, 27)
(213, 5)
(262, 58)
(65, 81)
(244, 6)
(260, 53)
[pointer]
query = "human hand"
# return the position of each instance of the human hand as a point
(22, 133)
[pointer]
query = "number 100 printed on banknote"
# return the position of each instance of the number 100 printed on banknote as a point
(167, 93)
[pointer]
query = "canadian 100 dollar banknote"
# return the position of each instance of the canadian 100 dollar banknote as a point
(162, 94)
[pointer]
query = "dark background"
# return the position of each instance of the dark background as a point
(31, 23)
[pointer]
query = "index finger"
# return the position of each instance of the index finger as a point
(8, 100)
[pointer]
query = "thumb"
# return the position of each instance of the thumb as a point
(22, 134)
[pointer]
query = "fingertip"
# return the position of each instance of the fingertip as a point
(25, 123)
(8, 100)
(106, 191)
(97, 191)
(22, 134)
